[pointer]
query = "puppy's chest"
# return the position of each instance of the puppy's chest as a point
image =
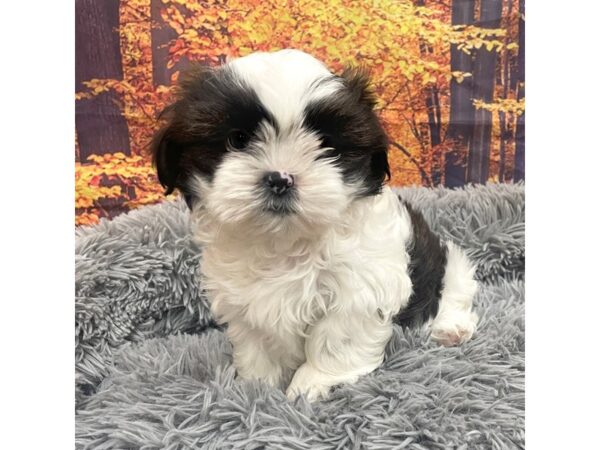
(289, 290)
(277, 290)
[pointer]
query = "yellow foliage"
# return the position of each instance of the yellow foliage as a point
(460, 76)
(506, 105)
(108, 177)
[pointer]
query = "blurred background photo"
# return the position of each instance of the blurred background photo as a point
(448, 74)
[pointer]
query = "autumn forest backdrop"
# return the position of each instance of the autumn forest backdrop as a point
(449, 76)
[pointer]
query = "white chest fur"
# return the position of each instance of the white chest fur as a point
(280, 287)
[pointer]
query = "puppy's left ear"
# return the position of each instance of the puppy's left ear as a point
(358, 84)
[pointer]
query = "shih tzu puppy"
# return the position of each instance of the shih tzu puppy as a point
(307, 256)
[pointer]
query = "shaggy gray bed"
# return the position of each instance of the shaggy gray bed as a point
(154, 371)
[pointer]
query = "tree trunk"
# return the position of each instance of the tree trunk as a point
(504, 129)
(519, 171)
(434, 114)
(434, 122)
(162, 34)
(100, 126)
(461, 107)
(503, 139)
(484, 70)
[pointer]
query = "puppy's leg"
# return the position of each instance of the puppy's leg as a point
(252, 357)
(456, 321)
(443, 286)
(339, 349)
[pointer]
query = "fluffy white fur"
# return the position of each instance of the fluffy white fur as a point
(286, 81)
(455, 321)
(311, 293)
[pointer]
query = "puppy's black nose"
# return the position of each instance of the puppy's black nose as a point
(278, 182)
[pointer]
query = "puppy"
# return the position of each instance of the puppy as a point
(307, 256)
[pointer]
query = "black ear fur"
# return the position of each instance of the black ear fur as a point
(166, 157)
(166, 149)
(358, 82)
(380, 168)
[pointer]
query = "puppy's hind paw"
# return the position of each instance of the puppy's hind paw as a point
(454, 332)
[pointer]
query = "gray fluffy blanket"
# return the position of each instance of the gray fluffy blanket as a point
(154, 371)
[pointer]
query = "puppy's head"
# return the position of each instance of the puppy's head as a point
(272, 141)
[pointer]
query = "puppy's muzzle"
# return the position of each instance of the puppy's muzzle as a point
(278, 182)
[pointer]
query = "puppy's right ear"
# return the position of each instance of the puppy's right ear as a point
(166, 157)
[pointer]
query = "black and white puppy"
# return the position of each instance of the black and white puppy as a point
(307, 257)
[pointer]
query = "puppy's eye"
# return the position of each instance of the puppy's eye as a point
(238, 139)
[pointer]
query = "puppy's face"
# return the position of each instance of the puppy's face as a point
(272, 141)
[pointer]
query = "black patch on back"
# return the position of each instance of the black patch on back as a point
(347, 123)
(210, 104)
(427, 266)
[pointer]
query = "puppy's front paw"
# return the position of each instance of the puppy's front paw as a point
(310, 382)
(316, 385)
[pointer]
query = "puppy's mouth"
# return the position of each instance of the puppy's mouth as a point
(280, 206)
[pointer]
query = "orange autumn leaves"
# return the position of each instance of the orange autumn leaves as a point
(404, 46)
(111, 176)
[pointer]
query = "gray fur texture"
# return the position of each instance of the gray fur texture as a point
(154, 371)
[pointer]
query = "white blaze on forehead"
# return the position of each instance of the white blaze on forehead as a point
(286, 81)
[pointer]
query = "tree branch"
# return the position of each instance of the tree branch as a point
(411, 158)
